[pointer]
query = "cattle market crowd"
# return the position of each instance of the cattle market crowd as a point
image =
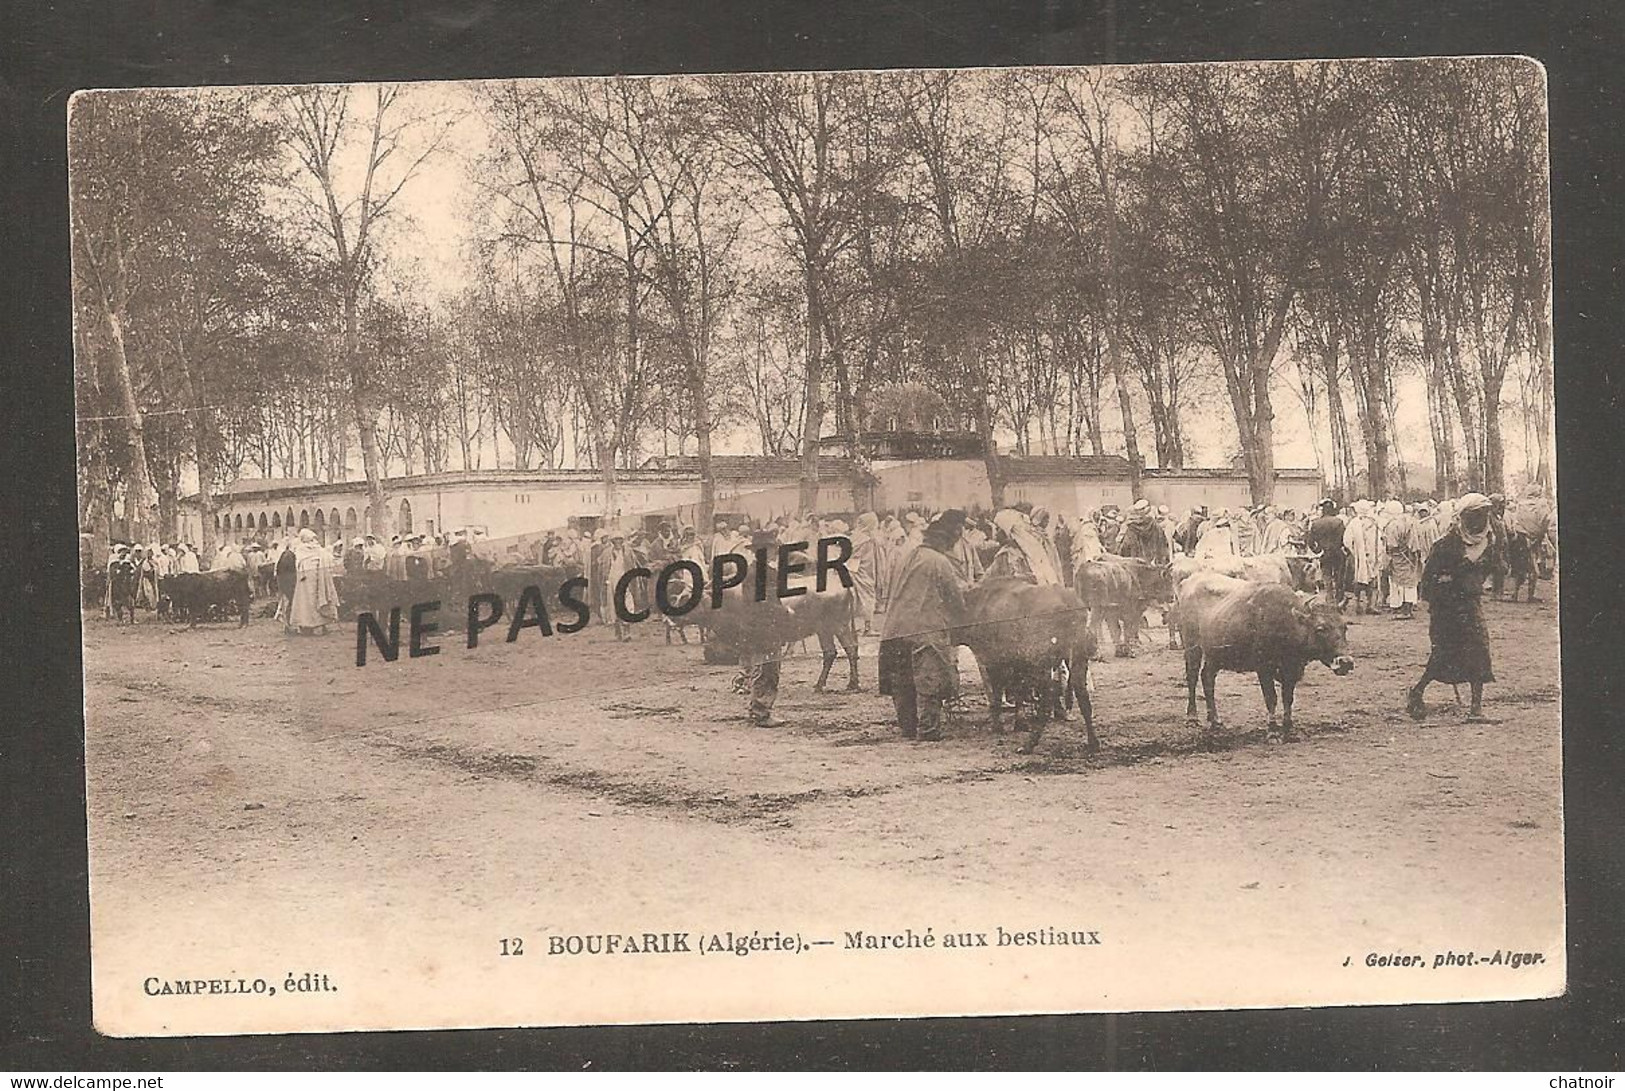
(1032, 596)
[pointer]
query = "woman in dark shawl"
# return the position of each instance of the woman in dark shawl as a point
(1453, 586)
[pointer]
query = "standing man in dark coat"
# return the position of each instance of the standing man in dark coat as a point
(917, 656)
(287, 579)
(1326, 539)
(757, 636)
(1453, 587)
(1190, 531)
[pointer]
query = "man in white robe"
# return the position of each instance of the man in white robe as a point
(1363, 540)
(315, 598)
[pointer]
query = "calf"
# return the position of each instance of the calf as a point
(1231, 624)
(831, 615)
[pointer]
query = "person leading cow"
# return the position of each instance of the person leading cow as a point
(917, 657)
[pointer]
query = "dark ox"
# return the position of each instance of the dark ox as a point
(742, 624)
(1264, 629)
(1034, 644)
(1117, 591)
(196, 596)
(373, 592)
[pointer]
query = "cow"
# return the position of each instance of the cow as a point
(1286, 569)
(265, 577)
(1034, 644)
(1263, 628)
(830, 615)
(1117, 591)
(193, 596)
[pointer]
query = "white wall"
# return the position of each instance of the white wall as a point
(511, 508)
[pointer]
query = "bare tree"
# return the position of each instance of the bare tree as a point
(970, 198)
(1257, 151)
(791, 134)
(111, 227)
(394, 144)
(1086, 193)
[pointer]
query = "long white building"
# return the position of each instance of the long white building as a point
(510, 503)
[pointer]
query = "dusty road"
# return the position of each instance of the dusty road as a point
(260, 807)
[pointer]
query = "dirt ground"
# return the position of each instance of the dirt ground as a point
(260, 807)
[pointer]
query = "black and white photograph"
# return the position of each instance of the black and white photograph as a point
(818, 545)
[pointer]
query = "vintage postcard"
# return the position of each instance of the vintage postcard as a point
(818, 545)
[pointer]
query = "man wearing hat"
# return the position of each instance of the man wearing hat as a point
(1326, 540)
(355, 558)
(917, 661)
(395, 558)
(121, 576)
(1190, 531)
(614, 562)
(1142, 537)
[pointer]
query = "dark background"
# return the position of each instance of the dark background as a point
(49, 51)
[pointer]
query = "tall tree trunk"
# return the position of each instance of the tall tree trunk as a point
(1374, 421)
(1463, 396)
(1258, 442)
(607, 472)
(990, 451)
(1131, 441)
(1114, 320)
(365, 413)
(1097, 438)
(1438, 428)
(168, 529)
(1261, 460)
(814, 400)
(702, 435)
(1396, 456)
(1494, 445)
(1342, 449)
(203, 458)
(140, 495)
